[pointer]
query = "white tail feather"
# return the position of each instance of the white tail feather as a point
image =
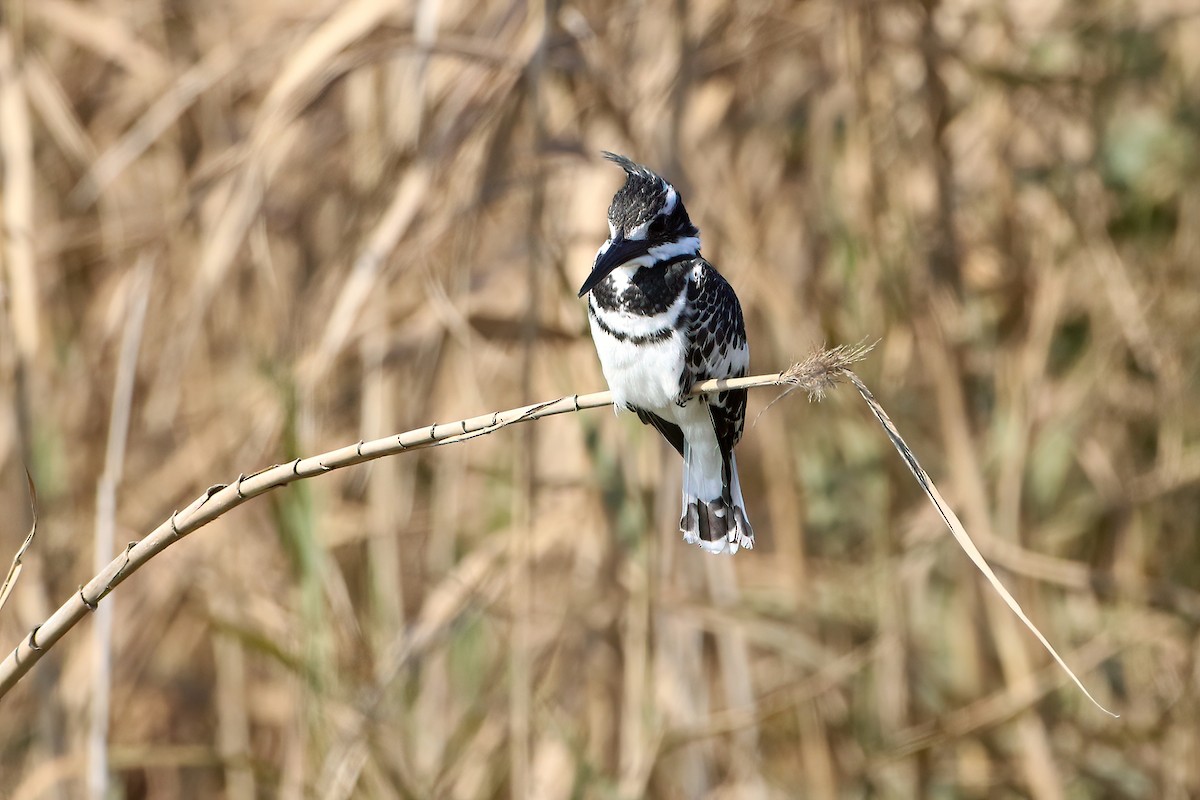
(713, 515)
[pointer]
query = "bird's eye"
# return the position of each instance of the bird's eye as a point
(658, 226)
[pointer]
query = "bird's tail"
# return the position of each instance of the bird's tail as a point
(714, 513)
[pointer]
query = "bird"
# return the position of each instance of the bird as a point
(663, 319)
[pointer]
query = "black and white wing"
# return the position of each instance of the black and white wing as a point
(717, 348)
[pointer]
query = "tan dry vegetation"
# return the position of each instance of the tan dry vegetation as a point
(360, 217)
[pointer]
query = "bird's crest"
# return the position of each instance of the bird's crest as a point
(631, 168)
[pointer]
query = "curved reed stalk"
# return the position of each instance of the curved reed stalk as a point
(815, 375)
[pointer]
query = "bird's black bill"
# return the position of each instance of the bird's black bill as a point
(619, 252)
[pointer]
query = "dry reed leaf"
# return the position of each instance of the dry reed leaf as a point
(406, 202)
(824, 369)
(959, 532)
(157, 119)
(349, 23)
(14, 571)
(104, 34)
(16, 154)
(53, 105)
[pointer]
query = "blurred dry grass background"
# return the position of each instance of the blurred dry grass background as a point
(358, 217)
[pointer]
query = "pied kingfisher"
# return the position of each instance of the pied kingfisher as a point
(663, 319)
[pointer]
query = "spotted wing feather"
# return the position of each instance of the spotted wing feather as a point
(717, 349)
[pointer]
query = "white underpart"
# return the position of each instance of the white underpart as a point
(702, 463)
(645, 375)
